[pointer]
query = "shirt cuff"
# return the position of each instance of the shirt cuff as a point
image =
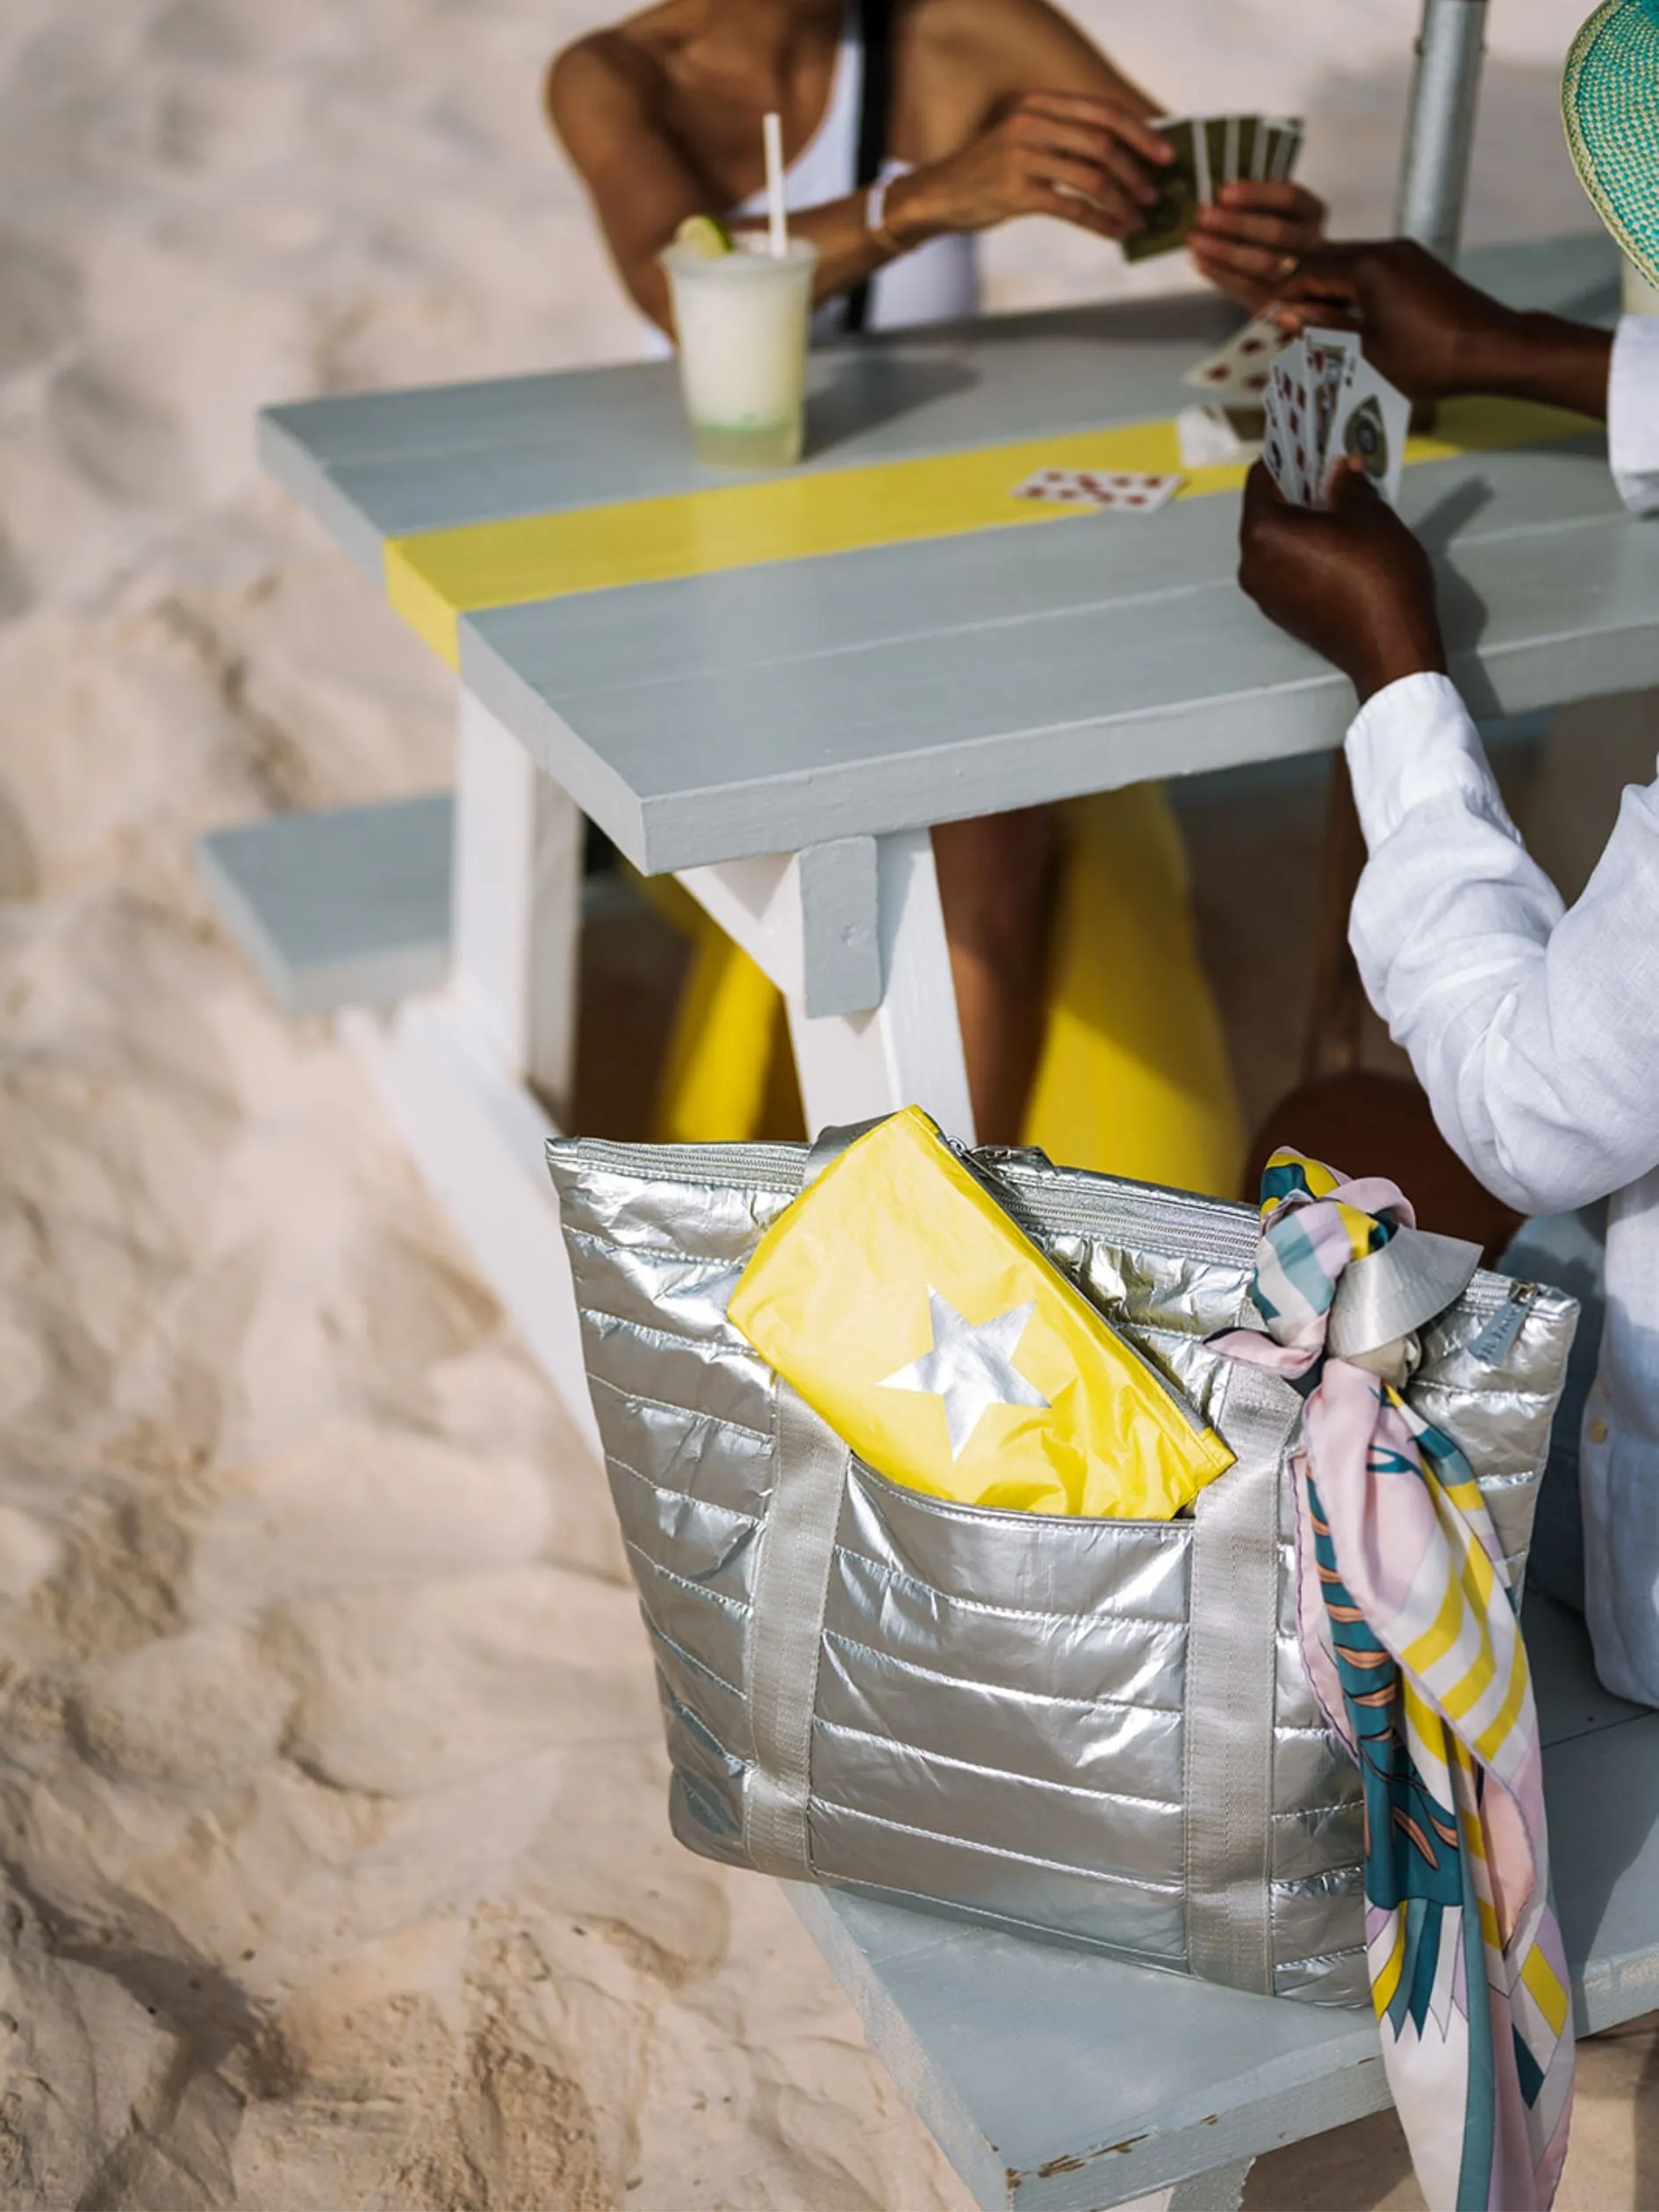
(1633, 412)
(1411, 743)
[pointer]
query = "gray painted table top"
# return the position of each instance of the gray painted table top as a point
(771, 707)
(1063, 2082)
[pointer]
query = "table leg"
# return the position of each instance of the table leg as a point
(904, 1050)
(517, 903)
(454, 1070)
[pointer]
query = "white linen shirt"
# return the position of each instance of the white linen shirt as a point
(1535, 1033)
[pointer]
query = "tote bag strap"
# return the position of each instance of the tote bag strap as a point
(1232, 1652)
(786, 1629)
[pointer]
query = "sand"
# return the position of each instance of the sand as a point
(335, 1866)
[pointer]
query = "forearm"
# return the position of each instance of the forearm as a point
(1542, 358)
(849, 253)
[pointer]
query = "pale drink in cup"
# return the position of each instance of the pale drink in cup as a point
(742, 319)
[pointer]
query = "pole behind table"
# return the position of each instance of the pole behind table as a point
(1439, 129)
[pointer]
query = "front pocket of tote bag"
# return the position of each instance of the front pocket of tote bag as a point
(998, 1721)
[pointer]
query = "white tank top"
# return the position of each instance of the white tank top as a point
(937, 282)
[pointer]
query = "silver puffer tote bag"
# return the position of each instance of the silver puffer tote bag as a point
(1095, 1731)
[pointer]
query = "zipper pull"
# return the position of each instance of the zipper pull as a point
(1500, 1333)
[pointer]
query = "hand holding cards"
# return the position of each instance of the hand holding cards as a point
(1327, 407)
(1210, 151)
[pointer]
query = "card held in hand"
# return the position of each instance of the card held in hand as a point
(1183, 186)
(1326, 408)
(1210, 151)
(1283, 136)
(1370, 425)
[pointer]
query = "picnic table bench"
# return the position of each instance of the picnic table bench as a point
(773, 688)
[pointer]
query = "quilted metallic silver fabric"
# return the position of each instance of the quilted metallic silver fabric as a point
(1000, 1717)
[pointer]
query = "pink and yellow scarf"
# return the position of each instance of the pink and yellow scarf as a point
(1410, 1634)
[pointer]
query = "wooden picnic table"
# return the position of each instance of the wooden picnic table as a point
(774, 688)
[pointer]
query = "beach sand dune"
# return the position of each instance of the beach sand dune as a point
(331, 1837)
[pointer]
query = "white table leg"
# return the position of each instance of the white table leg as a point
(517, 891)
(455, 1069)
(905, 1051)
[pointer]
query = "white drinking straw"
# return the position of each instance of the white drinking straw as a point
(777, 225)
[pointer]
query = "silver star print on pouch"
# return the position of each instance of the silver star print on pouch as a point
(972, 1369)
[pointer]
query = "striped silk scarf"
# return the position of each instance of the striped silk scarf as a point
(1408, 1632)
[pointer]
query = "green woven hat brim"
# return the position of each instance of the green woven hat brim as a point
(1610, 104)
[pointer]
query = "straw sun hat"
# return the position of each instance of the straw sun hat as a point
(1610, 100)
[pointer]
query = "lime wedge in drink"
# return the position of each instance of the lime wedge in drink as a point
(704, 236)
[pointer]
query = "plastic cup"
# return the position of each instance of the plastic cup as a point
(742, 319)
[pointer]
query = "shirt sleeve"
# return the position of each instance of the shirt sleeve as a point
(1531, 1029)
(1633, 413)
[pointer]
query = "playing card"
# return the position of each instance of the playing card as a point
(1133, 492)
(1214, 138)
(1241, 368)
(1129, 490)
(1276, 444)
(1340, 345)
(1370, 425)
(1329, 353)
(1292, 390)
(1284, 144)
(1212, 436)
(1183, 186)
(1059, 487)
(1252, 142)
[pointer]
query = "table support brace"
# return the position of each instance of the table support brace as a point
(905, 1051)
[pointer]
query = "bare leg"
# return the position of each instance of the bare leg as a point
(997, 878)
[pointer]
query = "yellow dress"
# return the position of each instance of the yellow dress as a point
(1133, 1077)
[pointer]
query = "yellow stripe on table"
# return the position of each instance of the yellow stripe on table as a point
(437, 575)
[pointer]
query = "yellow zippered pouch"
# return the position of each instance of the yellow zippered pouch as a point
(913, 1314)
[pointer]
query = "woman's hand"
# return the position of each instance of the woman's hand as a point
(1350, 580)
(1072, 154)
(1251, 241)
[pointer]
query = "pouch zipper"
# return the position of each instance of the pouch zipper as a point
(1120, 1212)
(763, 1166)
(776, 1169)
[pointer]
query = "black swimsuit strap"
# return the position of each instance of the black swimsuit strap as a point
(875, 111)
